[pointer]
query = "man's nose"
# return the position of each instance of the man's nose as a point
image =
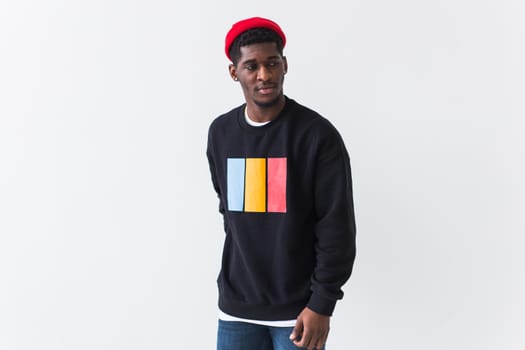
(264, 73)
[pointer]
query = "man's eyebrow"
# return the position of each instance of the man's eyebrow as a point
(255, 61)
(249, 61)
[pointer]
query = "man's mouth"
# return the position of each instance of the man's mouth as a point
(264, 90)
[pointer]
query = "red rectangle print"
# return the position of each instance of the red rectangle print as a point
(277, 185)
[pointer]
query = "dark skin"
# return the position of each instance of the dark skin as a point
(260, 71)
(311, 330)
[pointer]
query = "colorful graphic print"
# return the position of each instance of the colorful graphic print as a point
(256, 185)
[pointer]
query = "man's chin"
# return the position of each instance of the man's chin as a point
(268, 103)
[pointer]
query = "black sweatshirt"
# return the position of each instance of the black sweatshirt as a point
(285, 192)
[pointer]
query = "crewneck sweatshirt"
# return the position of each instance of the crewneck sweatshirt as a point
(285, 193)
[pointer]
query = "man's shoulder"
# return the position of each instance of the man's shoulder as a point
(313, 120)
(226, 119)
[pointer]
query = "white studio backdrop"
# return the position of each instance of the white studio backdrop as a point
(109, 232)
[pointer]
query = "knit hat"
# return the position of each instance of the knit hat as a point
(250, 23)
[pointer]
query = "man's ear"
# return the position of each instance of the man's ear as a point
(233, 71)
(285, 64)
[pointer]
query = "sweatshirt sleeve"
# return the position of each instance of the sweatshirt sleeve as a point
(213, 170)
(335, 229)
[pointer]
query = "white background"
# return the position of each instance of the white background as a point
(109, 232)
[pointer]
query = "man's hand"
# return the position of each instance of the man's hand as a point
(311, 330)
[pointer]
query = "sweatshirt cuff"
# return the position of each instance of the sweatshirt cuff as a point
(321, 305)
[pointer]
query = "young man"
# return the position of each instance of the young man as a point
(282, 175)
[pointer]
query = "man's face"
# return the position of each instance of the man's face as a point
(260, 70)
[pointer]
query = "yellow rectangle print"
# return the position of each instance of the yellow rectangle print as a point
(255, 193)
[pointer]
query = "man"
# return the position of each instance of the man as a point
(282, 175)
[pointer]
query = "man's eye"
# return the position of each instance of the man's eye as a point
(251, 67)
(272, 64)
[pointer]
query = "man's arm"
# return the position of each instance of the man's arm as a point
(213, 171)
(335, 239)
(335, 223)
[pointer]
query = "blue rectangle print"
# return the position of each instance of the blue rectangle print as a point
(235, 183)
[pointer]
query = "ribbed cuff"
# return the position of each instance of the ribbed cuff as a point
(321, 305)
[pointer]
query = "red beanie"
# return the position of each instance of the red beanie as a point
(249, 23)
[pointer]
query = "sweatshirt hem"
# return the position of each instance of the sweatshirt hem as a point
(263, 312)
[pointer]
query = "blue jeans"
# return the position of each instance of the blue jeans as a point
(233, 335)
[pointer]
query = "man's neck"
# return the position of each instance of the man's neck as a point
(261, 114)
